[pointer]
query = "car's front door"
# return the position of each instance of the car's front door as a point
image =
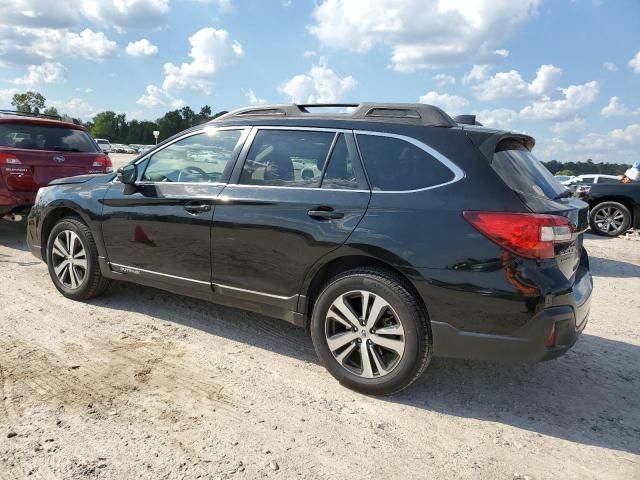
(160, 228)
(298, 194)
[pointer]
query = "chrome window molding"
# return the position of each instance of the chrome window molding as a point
(458, 173)
(244, 185)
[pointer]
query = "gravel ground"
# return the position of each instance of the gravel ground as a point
(146, 384)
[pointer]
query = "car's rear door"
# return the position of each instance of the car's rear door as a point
(296, 194)
(160, 229)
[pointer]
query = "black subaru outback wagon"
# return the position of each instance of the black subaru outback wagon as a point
(392, 232)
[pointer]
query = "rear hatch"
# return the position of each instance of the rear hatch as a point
(543, 194)
(31, 155)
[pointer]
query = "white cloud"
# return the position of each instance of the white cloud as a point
(511, 84)
(141, 48)
(612, 67)
(319, 85)
(309, 53)
(47, 72)
(253, 98)
(85, 90)
(159, 97)
(502, 52)
(28, 45)
(211, 50)
(476, 74)
(620, 145)
(76, 108)
(5, 97)
(634, 63)
(126, 14)
(501, 118)
(575, 98)
(223, 6)
(422, 33)
(569, 128)
(616, 108)
(39, 13)
(443, 79)
(451, 104)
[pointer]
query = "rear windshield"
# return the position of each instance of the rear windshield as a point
(523, 172)
(36, 137)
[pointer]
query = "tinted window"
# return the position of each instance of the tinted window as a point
(608, 180)
(587, 180)
(340, 173)
(287, 158)
(395, 164)
(523, 172)
(198, 158)
(35, 137)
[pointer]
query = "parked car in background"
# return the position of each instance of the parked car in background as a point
(104, 145)
(145, 148)
(564, 178)
(392, 232)
(35, 151)
(614, 207)
(130, 149)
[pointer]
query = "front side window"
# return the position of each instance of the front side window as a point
(287, 158)
(393, 164)
(203, 157)
(37, 137)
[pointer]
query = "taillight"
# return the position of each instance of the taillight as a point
(551, 339)
(529, 235)
(9, 159)
(103, 162)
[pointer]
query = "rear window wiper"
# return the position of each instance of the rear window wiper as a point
(66, 149)
(565, 194)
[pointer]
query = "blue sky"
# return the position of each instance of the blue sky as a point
(567, 72)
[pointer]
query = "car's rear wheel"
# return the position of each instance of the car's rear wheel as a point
(610, 219)
(72, 258)
(371, 332)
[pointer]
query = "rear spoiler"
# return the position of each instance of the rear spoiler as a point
(487, 143)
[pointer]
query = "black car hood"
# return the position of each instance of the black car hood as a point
(76, 179)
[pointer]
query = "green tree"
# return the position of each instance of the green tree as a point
(570, 173)
(52, 112)
(104, 125)
(29, 102)
(170, 124)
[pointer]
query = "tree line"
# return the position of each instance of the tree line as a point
(114, 126)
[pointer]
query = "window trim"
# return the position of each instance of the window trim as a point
(233, 160)
(458, 173)
(242, 158)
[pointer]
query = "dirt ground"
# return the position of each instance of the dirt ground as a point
(146, 384)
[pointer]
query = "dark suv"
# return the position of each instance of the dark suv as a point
(391, 232)
(37, 149)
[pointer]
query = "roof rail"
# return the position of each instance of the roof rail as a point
(27, 114)
(415, 113)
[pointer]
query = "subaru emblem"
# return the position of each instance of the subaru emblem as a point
(58, 158)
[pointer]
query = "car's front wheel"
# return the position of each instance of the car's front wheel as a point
(371, 332)
(610, 219)
(72, 258)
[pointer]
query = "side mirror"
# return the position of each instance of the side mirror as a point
(128, 174)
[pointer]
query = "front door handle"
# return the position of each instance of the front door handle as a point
(196, 208)
(324, 213)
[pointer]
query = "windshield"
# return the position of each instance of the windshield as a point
(524, 173)
(36, 137)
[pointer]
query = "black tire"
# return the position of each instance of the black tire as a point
(598, 210)
(93, 283)
(398, 294)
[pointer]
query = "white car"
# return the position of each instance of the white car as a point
(593, 178)
(104, 145)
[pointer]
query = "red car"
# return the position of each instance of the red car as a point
(35, 151)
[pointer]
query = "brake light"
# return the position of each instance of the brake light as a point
(551, 339)
(529, 235)
(103, 162)
(9, 159)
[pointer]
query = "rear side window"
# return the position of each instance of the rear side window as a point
(523, 172)
(340, 173)
(393, 164)
(36, 137)
(287, 158)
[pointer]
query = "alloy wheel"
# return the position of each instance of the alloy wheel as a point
(364, 334)
(69, 259)
(609, 219)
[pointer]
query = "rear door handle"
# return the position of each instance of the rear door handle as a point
(196, 208)
(324, 213)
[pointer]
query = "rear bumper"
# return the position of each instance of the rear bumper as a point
(527, 344)
(15, 201)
